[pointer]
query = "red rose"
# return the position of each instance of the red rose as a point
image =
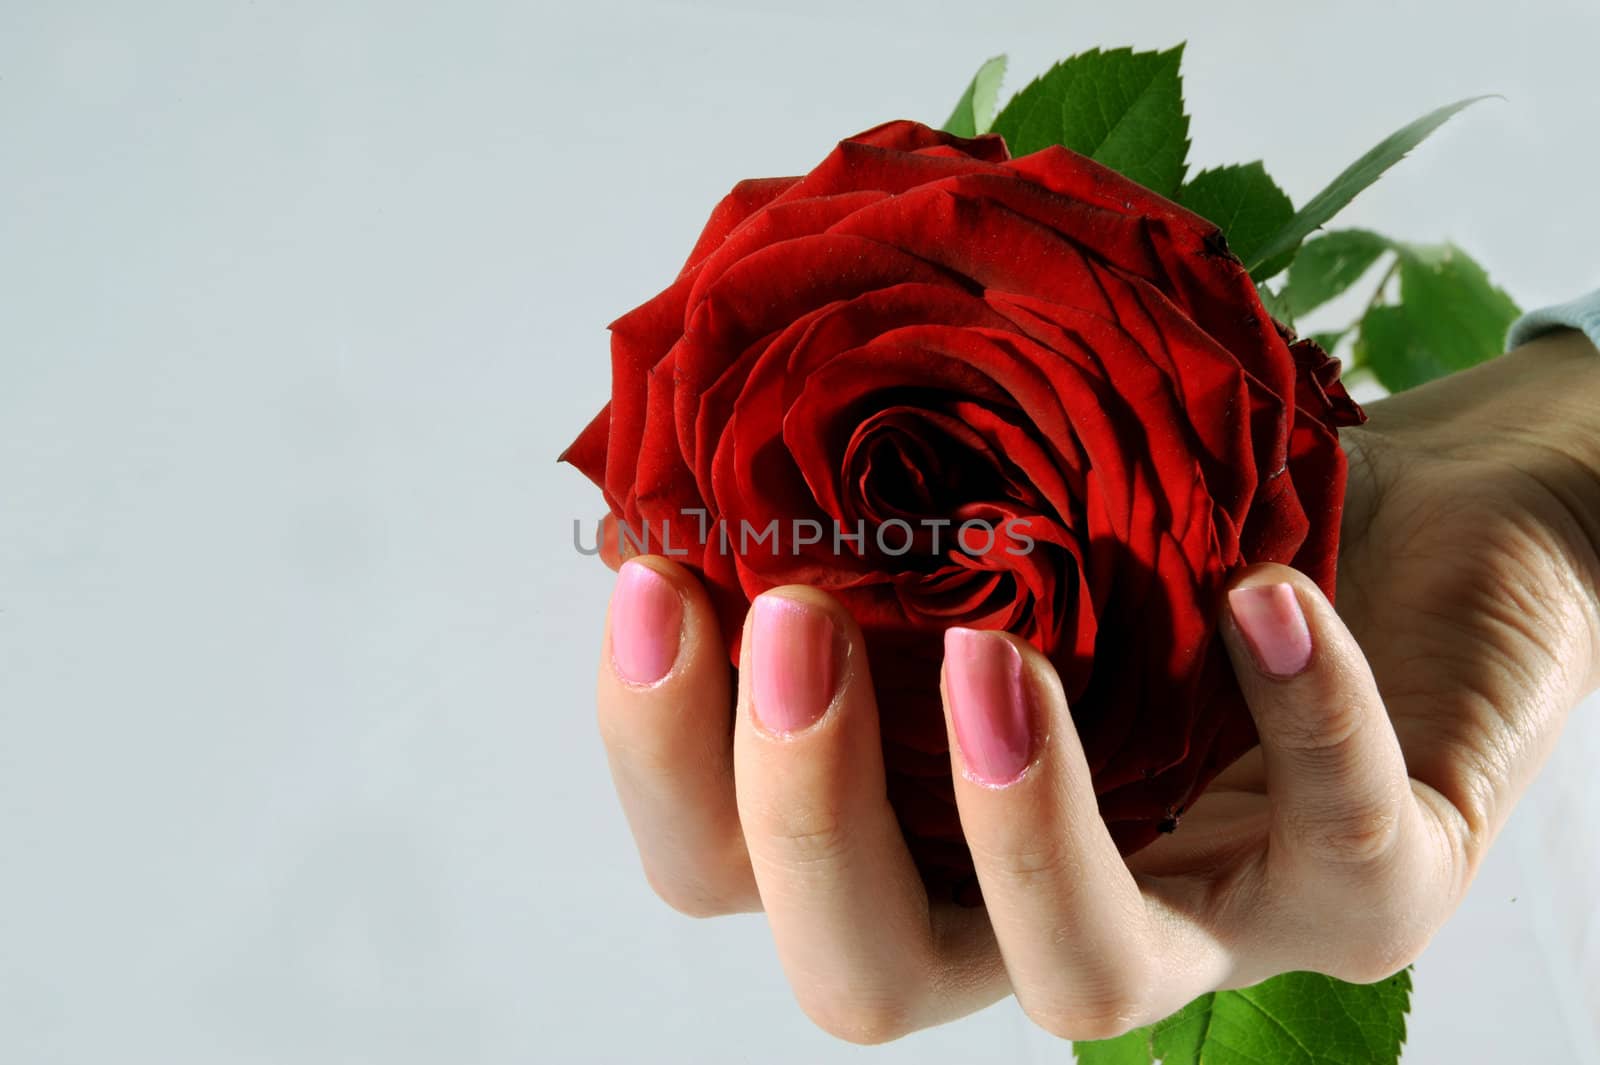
(923, 330)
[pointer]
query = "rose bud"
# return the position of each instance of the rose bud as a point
(924, 333)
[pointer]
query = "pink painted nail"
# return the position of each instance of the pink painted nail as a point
(646, 624)
(1274, 626)
(989, 704)
(795, 664)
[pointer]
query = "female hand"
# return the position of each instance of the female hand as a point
(1394, 741)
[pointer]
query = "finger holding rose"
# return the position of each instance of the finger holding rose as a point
(1264, 882)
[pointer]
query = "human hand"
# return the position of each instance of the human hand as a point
(1340, 845)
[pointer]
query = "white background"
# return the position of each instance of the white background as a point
(298, 303)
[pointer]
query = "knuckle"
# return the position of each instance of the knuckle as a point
(701, 877)
(1326, 735)
(1102, 1017)
(805, 833)
(863, 1020)
(1379, 950)
(692, 899)
(633, 743)
(1027, 859)
(1353, 838)
(1370, 968)
(1103, 1005)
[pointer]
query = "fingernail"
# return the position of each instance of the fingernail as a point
(983, 674)
(1274, 626)
(646, 624)
(795, 664)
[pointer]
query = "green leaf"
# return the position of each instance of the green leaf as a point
(1294, 1019)
(1330, 264)
(974, 112)
(1273, 302)
(1121, 108)
(1329, 341)
(1277, 253)
(1450, 316)
(1244, 202)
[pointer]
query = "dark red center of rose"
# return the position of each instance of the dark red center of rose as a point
(916, 465)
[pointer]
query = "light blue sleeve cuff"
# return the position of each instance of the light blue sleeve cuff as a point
(1582, 314)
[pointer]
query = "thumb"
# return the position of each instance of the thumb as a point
(1336, 778)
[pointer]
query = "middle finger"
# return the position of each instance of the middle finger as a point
(867, 956)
